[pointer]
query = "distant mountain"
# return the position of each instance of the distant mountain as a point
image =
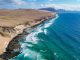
(51, 9)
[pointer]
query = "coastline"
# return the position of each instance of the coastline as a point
(19, 34)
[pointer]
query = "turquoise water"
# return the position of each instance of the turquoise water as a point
(56, 39)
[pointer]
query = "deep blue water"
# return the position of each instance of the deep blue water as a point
(56, 39)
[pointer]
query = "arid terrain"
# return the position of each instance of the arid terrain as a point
(11, 18)
(13, 22)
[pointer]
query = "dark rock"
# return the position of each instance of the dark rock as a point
(13, 48)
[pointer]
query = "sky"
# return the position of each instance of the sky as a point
(15, 4)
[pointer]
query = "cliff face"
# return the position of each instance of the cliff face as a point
(13, 23)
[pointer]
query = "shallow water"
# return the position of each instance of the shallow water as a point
(56, 39)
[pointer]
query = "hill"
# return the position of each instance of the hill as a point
(13, 23)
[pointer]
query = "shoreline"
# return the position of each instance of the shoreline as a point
(8, 52)
(14, 39)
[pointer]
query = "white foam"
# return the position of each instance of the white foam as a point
(26, 55)
(47, 24)
(39, 29)
(32, 38)
(44, 27)
(23, 45)
(45, 31)
(50, 22)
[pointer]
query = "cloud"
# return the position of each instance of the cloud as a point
(19, 2)
(34, 0)
(71, 7)
(3, 2)
(51, 0)
(78, 0)
(15, 2)
(42, 5)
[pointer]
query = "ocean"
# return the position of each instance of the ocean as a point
(55, 39)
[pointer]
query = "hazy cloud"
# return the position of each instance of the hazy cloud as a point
(17, 2)
(2, 2)
(64, 6)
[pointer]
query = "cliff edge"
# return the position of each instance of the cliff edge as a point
(12, 25)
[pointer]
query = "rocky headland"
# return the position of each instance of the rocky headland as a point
(12, 27)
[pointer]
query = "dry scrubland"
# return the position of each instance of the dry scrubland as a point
(13, 22)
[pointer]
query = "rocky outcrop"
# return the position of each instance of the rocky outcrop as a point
(14, 33)
(9, 31)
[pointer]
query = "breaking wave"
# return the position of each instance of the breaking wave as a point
(56, 39)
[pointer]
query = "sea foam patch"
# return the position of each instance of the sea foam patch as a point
(48, 23)
(43, 27)
(32, 39)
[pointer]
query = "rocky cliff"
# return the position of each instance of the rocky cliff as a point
(12, 26)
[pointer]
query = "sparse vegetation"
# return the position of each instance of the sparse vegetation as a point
(13, 21)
